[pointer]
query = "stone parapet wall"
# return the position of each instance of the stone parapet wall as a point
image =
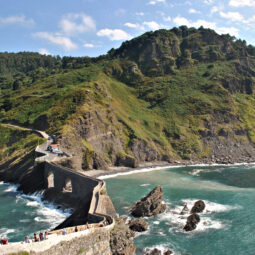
(91, 241)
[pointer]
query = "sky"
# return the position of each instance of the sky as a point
(93, 27)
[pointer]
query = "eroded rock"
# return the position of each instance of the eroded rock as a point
(121, 240)
(138, 225)
(192, 222)
(198, 207)
(150, 205)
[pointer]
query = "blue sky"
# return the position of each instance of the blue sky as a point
(92, 27)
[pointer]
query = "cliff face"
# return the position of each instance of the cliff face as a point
(169, 95)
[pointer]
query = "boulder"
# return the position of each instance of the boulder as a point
(155, 251)
(150, 205)
(192, 222)
(168, 252)
(198, 207)
(138, 225)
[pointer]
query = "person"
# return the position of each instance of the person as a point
(87, 225)
(36, 239)
(41, 236)
(27, 239)
(4, 241)
(76, 229)
(64, 232)
(45, 235)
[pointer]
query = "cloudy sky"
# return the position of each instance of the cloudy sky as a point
(92, 27)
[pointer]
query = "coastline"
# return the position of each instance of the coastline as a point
(153, 166)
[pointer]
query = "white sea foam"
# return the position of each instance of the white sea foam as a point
(197, 172)
(137, 171)
(11, 188)
(161, 247)
(24, 220)
(177, 221)
(144, 185)
(5, 231)
(156, 222)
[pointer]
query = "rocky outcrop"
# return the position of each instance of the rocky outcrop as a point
(150, 205)
(138, 225)
(198, 207)
(121, 240)
(192, 222)
(156, 251)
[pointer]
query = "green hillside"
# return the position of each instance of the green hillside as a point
(170, 95)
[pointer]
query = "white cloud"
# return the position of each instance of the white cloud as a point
(44, 51)
(153, 2)
(88, 45)
(19, 19)
(139, 13)
(72, 24)
(168, 18)
(228, 30)
(114, 34)
(241, 3)
(59, 40)
(191, 10)
(151, 25)
(233, 16)
(181, 21)
(132, 25)
(208, 1)
(215, 9)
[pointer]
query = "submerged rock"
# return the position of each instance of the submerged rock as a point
(168, 252)
(192, 222)
(138, 225)
(185, 209)
(198, 207)
(155, 251)
(152, 204)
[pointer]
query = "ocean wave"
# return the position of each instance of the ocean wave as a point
(137, 171)
(144, 185)
(5, 231)
(11, 188)
(197, 172)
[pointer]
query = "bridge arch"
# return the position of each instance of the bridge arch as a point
(50, 180)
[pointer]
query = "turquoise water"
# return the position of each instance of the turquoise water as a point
(22, 215)
(228, 224)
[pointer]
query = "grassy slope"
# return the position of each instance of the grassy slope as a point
(168, 111)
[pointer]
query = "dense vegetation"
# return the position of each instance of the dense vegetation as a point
(174, 89)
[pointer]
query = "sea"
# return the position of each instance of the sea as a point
(227, 225)
(22, 215)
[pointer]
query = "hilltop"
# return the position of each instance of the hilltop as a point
(169, 95)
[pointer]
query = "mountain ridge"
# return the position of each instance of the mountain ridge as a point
(171, 95)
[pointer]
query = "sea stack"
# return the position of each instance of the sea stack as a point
(150, 205)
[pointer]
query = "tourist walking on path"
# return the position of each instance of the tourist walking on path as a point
(4, 241)
(27, 240)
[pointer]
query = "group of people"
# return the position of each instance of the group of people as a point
(41, 237)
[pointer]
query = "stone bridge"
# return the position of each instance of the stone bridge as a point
(63, 179)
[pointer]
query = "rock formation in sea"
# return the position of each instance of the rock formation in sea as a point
(156, 251)
(138, 225)
(150, 205)
(198, 207)
(192, 222)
